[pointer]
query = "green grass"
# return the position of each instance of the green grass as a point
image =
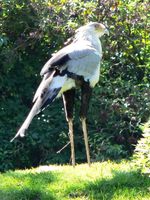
(102, 181)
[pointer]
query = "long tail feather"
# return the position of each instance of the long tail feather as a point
(25, 125)
(38, 91)
(46, 93)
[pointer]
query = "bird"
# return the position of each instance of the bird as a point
(77, 64)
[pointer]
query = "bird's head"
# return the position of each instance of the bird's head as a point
(94, 28)
(98, 28)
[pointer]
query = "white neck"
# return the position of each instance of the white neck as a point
(91, 38)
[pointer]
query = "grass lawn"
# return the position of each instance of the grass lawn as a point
(102, 181)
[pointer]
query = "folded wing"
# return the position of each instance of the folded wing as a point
(55, 77)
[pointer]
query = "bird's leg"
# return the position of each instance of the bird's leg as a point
(85, 133)
(71, 135)
(68, 99)
(86, 92)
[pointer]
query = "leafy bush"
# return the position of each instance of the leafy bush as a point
(142, 150)
(30, 31)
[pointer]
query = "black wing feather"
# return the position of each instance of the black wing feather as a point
(60, 60)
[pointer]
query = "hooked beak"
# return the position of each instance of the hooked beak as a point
(106, 32)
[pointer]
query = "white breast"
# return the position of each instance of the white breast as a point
(95, 77)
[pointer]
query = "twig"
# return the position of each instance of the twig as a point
(63, 147)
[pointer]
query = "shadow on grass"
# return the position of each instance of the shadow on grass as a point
(29, 186)
(123, 185)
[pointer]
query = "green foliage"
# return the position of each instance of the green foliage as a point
(30, 31)
(107, 180)
(142, 151)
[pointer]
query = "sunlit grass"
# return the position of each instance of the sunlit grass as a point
(102, 181)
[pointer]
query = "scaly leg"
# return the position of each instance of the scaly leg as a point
(68, 99)
(85, 133)
(71, 135)
(86, 92)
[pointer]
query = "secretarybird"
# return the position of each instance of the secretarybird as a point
(77, 64)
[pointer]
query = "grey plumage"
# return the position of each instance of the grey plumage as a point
(82, 57)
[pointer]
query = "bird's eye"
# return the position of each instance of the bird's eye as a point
(96, 26)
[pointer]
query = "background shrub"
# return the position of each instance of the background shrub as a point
(141, 155)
